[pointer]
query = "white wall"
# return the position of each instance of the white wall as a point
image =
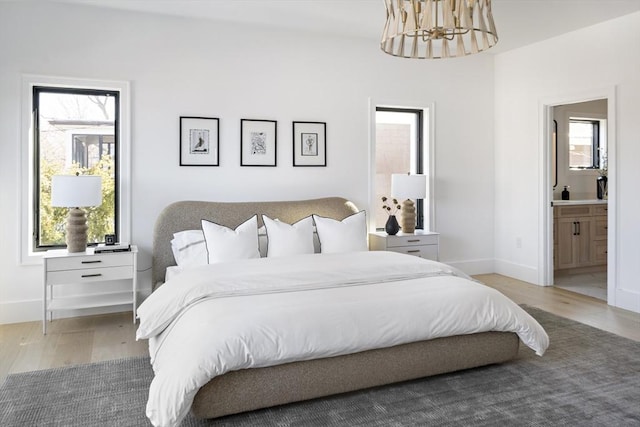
(603, 56)
(190, 67)
(582, 183)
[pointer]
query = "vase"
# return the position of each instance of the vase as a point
(392, 227)
(601, 187)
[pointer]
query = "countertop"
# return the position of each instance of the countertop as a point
(579, 202)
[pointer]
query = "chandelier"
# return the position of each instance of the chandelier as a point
(434, 29)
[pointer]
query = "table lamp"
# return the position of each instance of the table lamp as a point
(405, 186)
(75, 192)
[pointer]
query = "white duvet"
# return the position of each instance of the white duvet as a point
(268, 311)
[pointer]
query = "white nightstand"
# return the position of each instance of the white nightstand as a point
(424, 244)
(62, 268)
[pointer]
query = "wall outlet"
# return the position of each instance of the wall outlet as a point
(519, 242)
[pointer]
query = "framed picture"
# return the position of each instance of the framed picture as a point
(258, 142)
(199, 141)
(309, 144)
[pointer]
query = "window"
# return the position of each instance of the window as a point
(584, 144)
(399, 148)
(75, 131)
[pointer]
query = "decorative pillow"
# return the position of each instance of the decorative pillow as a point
(285, 239)
(189, 248)
(225, 244)
(348, 235)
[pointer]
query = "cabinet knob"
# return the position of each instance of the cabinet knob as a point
(91, 275)
(96, 261)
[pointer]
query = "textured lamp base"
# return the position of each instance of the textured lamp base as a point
(408, 221)
(76, 231)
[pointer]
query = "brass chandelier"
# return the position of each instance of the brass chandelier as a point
(434, 29)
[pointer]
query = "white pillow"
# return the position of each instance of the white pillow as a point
(348, 235)
(225, 244)
(285, 239)
(189, 248)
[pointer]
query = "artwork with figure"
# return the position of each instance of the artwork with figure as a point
(309, 144)
(199, 141)
(258, 143)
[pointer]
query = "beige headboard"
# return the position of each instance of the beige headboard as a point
(187, 215)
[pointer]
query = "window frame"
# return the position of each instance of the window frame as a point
(427, 155)
(595, 144)
(28, 255)
(419, 150)
(35, 100)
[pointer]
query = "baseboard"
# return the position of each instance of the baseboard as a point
(628, 300)
(516, 271)
(478, 266)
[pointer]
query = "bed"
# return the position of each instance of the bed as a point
(170, 320)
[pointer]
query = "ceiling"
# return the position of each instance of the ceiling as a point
(519, 22)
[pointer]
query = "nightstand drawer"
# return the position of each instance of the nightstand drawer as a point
(425, 251)
(87, 275)
(90, 261)
(411, 240)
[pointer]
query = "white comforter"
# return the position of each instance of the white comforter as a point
(262, 312)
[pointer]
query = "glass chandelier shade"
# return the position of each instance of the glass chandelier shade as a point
(433, 29)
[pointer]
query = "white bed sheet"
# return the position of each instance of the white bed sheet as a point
(264, 312)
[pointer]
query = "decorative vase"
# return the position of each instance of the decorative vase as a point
(392, 227)
(601, 187)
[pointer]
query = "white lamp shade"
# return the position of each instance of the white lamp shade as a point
(70, 191)
(405, 186)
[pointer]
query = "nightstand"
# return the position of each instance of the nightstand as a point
(424, 244)
(63, 268)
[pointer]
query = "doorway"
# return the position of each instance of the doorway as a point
(579, 147)
(579, 171)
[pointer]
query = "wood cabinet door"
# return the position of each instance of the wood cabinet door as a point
(565, 238)
(600, 228)
(583, 257)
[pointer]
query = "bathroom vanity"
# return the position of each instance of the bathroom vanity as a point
(579, 233)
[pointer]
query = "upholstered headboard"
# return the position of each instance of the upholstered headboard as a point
(187, 215)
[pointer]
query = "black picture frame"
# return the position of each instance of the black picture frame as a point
(309, 144)
(199, 141)
(258, 142)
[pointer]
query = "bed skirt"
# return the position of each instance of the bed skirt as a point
(250, 389)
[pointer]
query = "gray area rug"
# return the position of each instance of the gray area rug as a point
(588, 377)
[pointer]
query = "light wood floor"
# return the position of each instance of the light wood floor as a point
(96, 338)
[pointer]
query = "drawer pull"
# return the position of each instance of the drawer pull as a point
(413, 251)
(413, 240)
(91, 275)
(97, 261)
